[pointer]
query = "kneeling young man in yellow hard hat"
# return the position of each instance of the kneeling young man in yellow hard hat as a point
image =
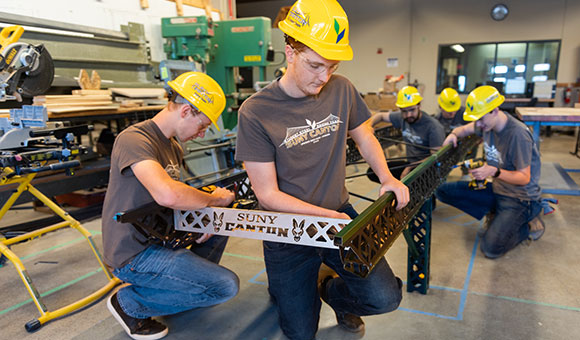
(513, 161)
(292, 139)
(145, 167)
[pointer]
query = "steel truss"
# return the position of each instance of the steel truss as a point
(362, 243)
(384, 135)
(365, 240)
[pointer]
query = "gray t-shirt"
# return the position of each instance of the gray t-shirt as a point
(425, 132)
(139, 142)
(305, 137)
(451, 123)
(513, 148)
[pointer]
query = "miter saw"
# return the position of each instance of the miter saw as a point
(25, 70)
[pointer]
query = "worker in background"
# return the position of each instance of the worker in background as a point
(145, 167)
(292, 139)
(513, 161)
(451, 116)
(451, 112)
(421, 132)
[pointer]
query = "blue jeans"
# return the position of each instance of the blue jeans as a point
(292, 279)
(164, 281)
(509, 226)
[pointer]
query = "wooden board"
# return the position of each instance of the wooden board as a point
(139, 92)
(69, 99)
(83, 108)
(97, 113)
(91, 92)
(87, 103)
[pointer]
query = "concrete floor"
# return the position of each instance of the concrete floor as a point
(531, 293)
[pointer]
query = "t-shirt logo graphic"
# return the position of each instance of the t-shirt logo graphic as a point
(173, 171)
(412, 138)
(492, 154)
(313, 132)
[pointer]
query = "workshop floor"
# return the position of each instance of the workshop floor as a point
(531, 293)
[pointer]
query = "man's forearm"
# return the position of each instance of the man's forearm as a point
(464, 130)
(276, 200)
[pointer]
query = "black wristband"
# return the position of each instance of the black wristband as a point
(496, 175)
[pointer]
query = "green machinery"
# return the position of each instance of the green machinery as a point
(221, 48)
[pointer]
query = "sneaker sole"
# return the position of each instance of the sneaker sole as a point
(127, 330)
(537, 234)
(350, 330)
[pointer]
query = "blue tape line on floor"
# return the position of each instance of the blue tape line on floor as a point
(253, 279)
(464, 292)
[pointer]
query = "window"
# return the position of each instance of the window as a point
(512, 67)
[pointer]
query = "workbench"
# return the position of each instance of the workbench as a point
(550, 116)
(107, 114)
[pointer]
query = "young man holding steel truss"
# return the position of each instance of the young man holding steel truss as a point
(145, 167)
(292, 139)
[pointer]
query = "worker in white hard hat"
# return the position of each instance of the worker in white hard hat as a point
(292, 139)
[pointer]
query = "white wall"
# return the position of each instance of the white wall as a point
(106, 14)
(411, 30)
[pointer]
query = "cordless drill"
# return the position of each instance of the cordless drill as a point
(475, 184)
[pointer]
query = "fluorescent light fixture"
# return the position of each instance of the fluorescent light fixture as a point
(461, 83)
(500, 69)
(539, 78)
(52, 31)
(520, 68)
(499, 79)
(541, 67)
(458, 48)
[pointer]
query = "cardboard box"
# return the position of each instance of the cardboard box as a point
(389, 87)
(380, 101)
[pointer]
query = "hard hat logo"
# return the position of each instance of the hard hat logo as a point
(337, 30)
(202, 93)
(491, 98)
(469, 106)
(408, 97)
(298, 18)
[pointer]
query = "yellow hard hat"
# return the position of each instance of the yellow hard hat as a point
(408, 96)
(321, 25)
(449, 100)
(481, 101)
(201, 91)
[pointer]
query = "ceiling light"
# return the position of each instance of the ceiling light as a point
(458, 48)
(500, 69)
(541, 67)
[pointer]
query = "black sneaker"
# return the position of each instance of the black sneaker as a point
(145, 329)
(350, 322)
(347, 321)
